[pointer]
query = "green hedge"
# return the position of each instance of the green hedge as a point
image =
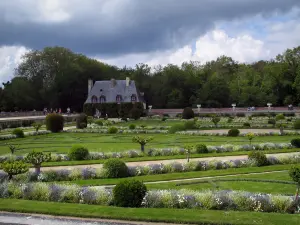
(112, 109)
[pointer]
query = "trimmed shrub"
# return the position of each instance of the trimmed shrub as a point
(18, 132)
(99, 122)
(259, 157)
(297, 124)
(115, 168)
(135, 113)
(294, 173)
(37, 126)
(176, 127)
(54, 122)
(272, 121)
(240, 114)
(132, 126)
(188, 113)
(129, 193)
(201, 148)
(189, 125)
(216, 120)
(229, 120)
(246, 124)
(112, 130)
(279, 117)
(296, 142)
(78, 153)
(81, 121)
(14, 168)
(36, 159)
(233, 132)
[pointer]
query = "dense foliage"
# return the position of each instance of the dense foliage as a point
(18, 132)
(296, 142)
(14, 168)
(78, 153)
(129, 193)
(233, 132)
(201, 148)
(36, 159)
(259, 157)
(294, 173)
(56, 77)
(54, 122)
(188, 113)
(115, 168)
(81, 121)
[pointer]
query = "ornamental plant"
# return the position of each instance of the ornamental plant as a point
(129, 193)
(78, 153)
(250, 136)
(201, 148)
(37, 126)
(259, 157)
(36, 159)
(279, 118)
(296, 142)
(142, 141)
(115, 168)
(81, 121)
(14, 168)
(54, 122)
(12, 148)
(188, 113)
(294, 173)
(188, 149)
(18, 132)
(233, 132)
(216, 120)
(297, 124)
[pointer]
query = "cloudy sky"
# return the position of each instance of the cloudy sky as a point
(127, 32)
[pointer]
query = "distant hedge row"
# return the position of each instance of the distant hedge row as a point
(114, 109)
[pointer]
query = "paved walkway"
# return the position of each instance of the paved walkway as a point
(38, 219)
(144, 163)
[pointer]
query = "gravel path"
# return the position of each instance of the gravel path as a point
(24, 218)
(144, 163)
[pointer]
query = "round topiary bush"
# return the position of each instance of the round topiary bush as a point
(297, 124)
(132, 126)
(246, 124)
(112, 130)
(54, 122)
(259, 157)
(99, 122)
(296, 142)
(78, 153)
(115, 168)
(129, 193)
(81, 121)
(135, 113)
(188, 113)
(176, 127)
(189, 125)
(233, 132)
(201, 148)
(18, 132)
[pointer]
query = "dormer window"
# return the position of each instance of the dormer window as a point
(133, 98)
(118, 98)
(94, 99)
(102, 99)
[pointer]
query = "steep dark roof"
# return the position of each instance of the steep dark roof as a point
(110, 92)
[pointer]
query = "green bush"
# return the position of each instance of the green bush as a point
(115, 168)
(250, 118)
(296, 142)
(176, 127)
(132, 126)
(14, 168)
(164, 119)
(36, 126)
(135, 113)
(240, 114)
(36, 159)
(129, 193)
(112, 130)
(294, 173)
(18, 132)
(229, 120)
(188, 113)
(246, 124)
(78, 153)
(297, 124)
(259, 157)
(272, 121)
(233, 132)
(81, 121)
(201, 148)
(215, 120)
(99, 122)
(189, 125)
(54, 122)
(279, 117)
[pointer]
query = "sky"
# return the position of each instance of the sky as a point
(128, 32)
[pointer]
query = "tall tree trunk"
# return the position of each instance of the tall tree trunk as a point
(281, 130)
(142, 147)
(37, 169)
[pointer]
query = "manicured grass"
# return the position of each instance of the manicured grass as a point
(217, 184)
(62, 142)
(208, 217)
(178, 176)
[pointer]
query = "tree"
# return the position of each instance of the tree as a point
(279, 118)
(188, 150)
(13, 168)
(142, 141)
(216, 120)
(37, 126)
(250, 136)
(294, 173)
(12, 148)
(36, 159)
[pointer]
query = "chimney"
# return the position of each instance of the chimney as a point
(113, 82)
(127, 81)
(90, 85)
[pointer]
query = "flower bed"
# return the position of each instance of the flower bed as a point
(203, 133)
(223, 200)
(164, 152)
(176, 167)
(27, 134)
(120, 131)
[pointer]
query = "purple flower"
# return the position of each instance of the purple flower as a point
(88, 196)
(88, 173)
(55, 192)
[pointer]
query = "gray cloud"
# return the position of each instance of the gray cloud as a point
(116, 27)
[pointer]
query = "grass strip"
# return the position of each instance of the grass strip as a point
(178, 176)
(191, 216)
(157, 158)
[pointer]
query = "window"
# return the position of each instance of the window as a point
(102, 99)
(133, 98)
(94, 99)
(118, 98)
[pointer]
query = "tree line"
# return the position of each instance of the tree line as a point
(56, 77)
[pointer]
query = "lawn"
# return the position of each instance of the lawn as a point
(62, 142)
